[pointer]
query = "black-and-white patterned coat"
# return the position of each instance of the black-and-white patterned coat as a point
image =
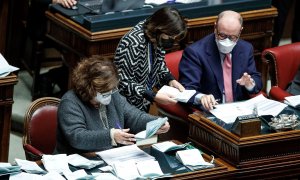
(141, 67)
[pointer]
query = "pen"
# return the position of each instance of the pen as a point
(118, 125)
(216, 100)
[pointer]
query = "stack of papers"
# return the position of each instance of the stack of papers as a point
(168, 146)
(132, 170)
(5, 68)
(29, 166)
(293, 101)
(192, 157)
(183, 96)
(82, 162)
(56, 163)
(7, 168)
(151, 128)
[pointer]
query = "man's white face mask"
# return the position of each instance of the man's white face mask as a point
(105, 100)
(225, 46)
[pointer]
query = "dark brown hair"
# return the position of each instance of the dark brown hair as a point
(94, 74)
(167, 20)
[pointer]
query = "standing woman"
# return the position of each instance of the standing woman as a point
(140, 58)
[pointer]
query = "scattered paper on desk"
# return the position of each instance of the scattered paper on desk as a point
(56, 163)
(106, 169)
(82, 162)
(30, 166)
(53, 175)
(133, 170)
(5, 164)
(126, 169)
(149, 168)
(5, 68)
(191, 157)
(26, 176)
(106, 176)
(168, 146)
(7, 168)
(79, 174)
(151, 128)
(124, 153)
(293, 101)
(183, 96)
(230, 111)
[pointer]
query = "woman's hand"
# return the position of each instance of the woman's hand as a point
(123, 137)
(164, 128)
(176, 85)
(163, 98)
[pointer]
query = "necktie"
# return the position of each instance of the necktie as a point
(227, 75)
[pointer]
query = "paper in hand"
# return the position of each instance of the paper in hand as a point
(151, 128)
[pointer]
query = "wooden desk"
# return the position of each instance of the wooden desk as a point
(6, 101)
(79, 42)
(263, 156)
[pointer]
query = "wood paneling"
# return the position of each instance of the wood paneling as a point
(79, 42)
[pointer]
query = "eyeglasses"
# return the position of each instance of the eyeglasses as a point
(109, 93)
(223, 36)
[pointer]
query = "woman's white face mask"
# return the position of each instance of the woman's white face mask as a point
(225, 46)
(105, 100)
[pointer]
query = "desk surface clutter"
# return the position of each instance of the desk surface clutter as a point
(126, 162)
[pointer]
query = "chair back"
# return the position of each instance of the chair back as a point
(40, 127)
(172, 60)
(177, 113)
(284, 62)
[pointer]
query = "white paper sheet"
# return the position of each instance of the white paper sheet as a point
(5, 68)
(183, 96)
(230, 111)
(124, 153)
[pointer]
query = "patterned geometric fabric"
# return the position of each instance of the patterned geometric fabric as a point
(137, 70)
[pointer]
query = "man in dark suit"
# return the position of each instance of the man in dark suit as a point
(203, 66)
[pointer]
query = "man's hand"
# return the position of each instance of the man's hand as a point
(208, 102)
(246, 81)
(176, 85)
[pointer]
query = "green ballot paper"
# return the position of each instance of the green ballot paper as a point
(151, 128)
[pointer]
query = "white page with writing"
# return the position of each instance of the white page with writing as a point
(264, 105)
(230, 111)
(124, 153)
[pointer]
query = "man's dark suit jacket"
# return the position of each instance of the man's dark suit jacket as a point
(201, 68)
